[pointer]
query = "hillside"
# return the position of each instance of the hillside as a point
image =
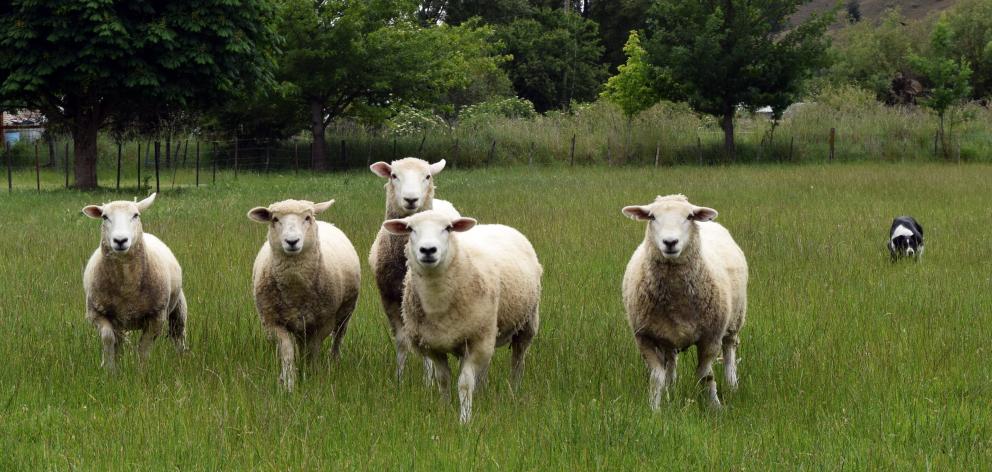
(873, 9)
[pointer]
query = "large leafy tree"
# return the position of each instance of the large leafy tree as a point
(85, 63)
(556, 58)
(969, 29)
(349, 58)
(947, 73)
(633, 88)
(728, 53)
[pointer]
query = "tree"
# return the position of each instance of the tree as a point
(725, 53)
(556, 58)
(86, 63)
(632, 89)
(947, 73)
(616, 19)
(970, 27)
(346, 57)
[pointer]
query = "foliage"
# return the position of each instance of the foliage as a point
(969, 25)
(727, 53)
(871, 55)
(616, 19)
(86, 62)
(409, 121)
(556, 58)
(632, 89)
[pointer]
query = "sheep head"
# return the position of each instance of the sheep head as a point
(671, 221)
(292, 224)
(121, 228)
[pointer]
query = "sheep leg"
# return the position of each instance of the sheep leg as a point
(656, 366)
(108, 337)
(402, 348)
(518, 349)
(287, 354)
(344, 314)
(394, 314)
(443, 374)
(314, 340)
(704, 371)
(148, 335)
(476, 360)
(177, 324)
(730, 343)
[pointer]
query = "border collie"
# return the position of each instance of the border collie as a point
(905, 238)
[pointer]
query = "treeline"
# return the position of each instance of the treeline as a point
(275, 69)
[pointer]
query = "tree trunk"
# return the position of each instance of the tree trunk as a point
(84, 135)
(319, 148)
(727, 123)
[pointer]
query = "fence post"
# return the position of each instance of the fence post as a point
(833, 135)
(571, 154)
(394, 149)
(157, 148)
(792, 146)
(530, 157)
(10, 155)
(454, 156)
(139, 166)
(420, 148)
(344, 155)
(168, 151)
(657, 152)
(699, 149)
(120, 146)
(609, 153)
(235, 156)
(935, 135)
(198, 163)
(266, 157)
(37, 167)
(66, 159)
(296, 155)
(492, 153)
(368, 157)
(213, 159)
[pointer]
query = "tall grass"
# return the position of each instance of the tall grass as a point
(847, 361)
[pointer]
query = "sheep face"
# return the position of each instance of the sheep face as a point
(430, 237)
(292, 224)
(121, 223)
(409, 182)
(671, 222)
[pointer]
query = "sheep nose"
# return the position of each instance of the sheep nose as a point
(410, 201)
(670, 243)
(120, 241)
(292, 242)
(427, 251)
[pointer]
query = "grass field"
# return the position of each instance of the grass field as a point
(847, 361)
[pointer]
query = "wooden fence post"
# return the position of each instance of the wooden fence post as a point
(296, 155)
(120, 147)
(213, 159)
(454, 157)
(833, 136)
(197, 162)
(168, 151)
(235, 156)
(420, 148)
(66, 159)
(657, 152)
(37, 167)
(10, 155)
(139, 166)
(266, 157)
(492, 153)
(571, 154)
(699, 149)
(530, 156)
(157, 150)
(394, 149)
(609, 152)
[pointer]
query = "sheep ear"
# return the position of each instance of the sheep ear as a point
(260, 214)
(437, 167)
(320, 207)
(93, 211)
(397, 227)
(635, 212)
(144, 204)
(381, 169)
(461, 225)
(703, 214)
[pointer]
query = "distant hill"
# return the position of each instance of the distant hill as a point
(873, 9)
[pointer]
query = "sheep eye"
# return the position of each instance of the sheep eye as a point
(105, 218)
(449, 228)
(392, 176)
(428, 177)
(308, 218)
(275, 220)
(135, 216)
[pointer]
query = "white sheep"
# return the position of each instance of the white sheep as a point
(685, 285)
(132, 281)
(466, 293)
(409, 189)
(306, 280)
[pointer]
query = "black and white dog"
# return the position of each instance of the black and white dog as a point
(905, 238)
